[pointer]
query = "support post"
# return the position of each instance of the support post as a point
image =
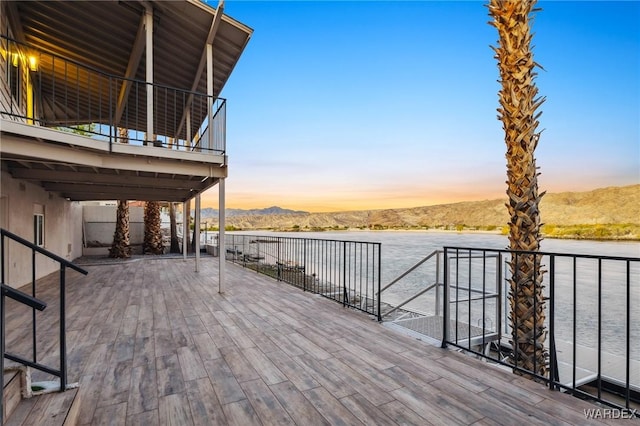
(222, 251)
(185, 229)
(148, 25)
(209, 140)
(196, 229)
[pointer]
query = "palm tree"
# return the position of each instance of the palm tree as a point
(121, 245)
(519, 102)
(152, 235)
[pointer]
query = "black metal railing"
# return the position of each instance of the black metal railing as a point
(67, 95)
(34, 303)
(345, 271)
(588, 315)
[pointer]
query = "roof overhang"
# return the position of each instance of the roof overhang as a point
(102, 35)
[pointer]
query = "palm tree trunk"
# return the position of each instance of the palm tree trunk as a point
(519, 101)
(152, 235)
(121, 246)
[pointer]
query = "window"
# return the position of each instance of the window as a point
(38, 229)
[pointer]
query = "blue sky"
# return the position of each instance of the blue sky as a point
(369, 105)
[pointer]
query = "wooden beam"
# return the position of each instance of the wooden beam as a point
(132, 67)
(213, 30)
(101, 178)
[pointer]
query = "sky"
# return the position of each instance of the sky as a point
(338, 106)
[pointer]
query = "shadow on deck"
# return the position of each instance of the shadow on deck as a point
(152, 342)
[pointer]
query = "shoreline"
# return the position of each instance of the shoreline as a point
(449, 231)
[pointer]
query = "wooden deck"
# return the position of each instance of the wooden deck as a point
(152, 342)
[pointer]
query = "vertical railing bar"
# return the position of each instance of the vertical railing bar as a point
(599, 377)
(627, 395)
(469, 293)
(445, 299)
(304, 265)
(63, 327)
(484, 299)
(33, 310)
(535, 314)
(515, 277)
(574, 325)
(2, 324)
(553, 373)
(499, 288)
(437, 284)
(379, 277)
(457, 294)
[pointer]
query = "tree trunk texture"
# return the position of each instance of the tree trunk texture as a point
(175, 245)
(519, 102)
(152, 234)
(121, 246)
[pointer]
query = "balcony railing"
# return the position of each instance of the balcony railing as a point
(590, 310)
(51, 91)
(345, 271)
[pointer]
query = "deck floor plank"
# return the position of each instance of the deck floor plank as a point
(152, 342)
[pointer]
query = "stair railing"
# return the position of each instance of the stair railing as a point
(35, 304)
(437, 284)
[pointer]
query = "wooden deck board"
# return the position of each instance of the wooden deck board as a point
(152, 342)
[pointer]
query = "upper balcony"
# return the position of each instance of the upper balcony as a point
(131, 87)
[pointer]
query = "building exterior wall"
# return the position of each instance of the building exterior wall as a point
(100, 224)
(8, 68)
(62, 228)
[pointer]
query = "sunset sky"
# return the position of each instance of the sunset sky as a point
(370, 105)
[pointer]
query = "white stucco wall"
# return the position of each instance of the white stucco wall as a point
(62, 228)
(100, 224)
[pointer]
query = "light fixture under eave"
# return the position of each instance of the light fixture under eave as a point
(33, 63)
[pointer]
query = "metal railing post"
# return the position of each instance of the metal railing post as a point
(345, 296)
(379, 282)
(438, 284)
(304, 264)
(553, 362)
(63, 327)
(2, 329)
(33, 311)
(445, 298)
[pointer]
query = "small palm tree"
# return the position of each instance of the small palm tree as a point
(121, 245)
(152, 234)
(519, 102)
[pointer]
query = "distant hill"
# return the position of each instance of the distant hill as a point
(273, 210)
(613, 205)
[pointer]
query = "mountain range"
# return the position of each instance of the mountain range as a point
(612, 205)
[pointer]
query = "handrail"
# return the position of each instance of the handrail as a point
(35, 304)
(23, 298)
(61, 260)
(605, 365)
